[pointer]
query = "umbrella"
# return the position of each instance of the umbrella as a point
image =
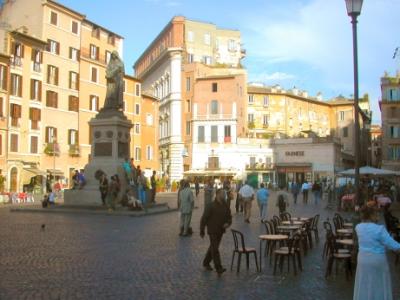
(367, 170)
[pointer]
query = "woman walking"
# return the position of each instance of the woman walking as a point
(373, 280)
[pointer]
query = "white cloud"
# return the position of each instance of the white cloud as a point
(276, 76)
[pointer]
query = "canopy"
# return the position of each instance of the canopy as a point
(367, 170)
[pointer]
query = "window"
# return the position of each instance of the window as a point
(137, 89)
(207, 59)
(53, 18)
(52, 75)
(137, 128)
(188, 127)
(394, 132)
(50, 134)
(15, 114)
(392, 95)
(53, 47)
(36, 90)
(93, 74)
(73, 54)
(214, 107)
(250, 118)
(341, 115)
(34, 117)
(187, 84)
(73, 103)
(111, 39)
(251, 99)
(94, 103)
(231, 45)
(345, 132)
(207, 39)
(37, 58)
(108, 57)
(72, 137)
(214, 87)
(16, 85)
(188, 105)
(214, 134)
(149, 152)
(137, 109)
(51, 99)
(265, 101)
(392, 112)
(190, 36)
(96, 32)
(190, 58)
(18, 53)
(73, 80)
(14, 142)
(138, 153)
(3, 77)
(227, 134)
(200, 134)
(266, 119)
(74, 27)
(34, 144)
(149, 119)
(94, 52)
(394, 152)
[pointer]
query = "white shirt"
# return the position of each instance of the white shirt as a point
(246, 191)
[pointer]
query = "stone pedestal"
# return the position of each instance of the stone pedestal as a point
(110, 146)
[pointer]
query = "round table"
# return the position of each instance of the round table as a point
(292, 222)
(271, 238)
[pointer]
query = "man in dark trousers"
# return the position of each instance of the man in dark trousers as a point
(217, 217)
(153, 183)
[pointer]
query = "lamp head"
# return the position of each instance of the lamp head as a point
(354, 7)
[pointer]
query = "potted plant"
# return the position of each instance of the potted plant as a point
(174, 186)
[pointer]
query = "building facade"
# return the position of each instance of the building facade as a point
(185, 55)
(57, 84)
(390, 114)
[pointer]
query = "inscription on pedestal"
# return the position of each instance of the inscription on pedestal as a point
(103, 149)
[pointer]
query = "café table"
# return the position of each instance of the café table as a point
(292, 222)
(273, 239)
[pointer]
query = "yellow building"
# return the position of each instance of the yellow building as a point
(4, 74)
(273, 112)
(68, 86)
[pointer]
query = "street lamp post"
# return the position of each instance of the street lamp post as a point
(354, 10)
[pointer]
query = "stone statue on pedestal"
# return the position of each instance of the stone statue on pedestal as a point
(115, 83)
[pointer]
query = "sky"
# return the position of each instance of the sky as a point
(302, 43)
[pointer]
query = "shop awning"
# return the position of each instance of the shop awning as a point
(294, 167)
(35, 171)
(55, 172)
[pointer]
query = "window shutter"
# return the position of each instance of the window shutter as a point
(1, 144)
(22, 51)
(40, 91)
(56, 69)
(48, 73)
(20, 86)
(69, 136)
(79, 55)
(57, 48)
(33, 52)
(97, 104)
(70, 79)
(47, 134)
(48, 45)
(13, 48)
(18, 108)
(32, 89)
(77, 81)
(1, 107)
(55, 133)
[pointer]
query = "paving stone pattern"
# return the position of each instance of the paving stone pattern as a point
(86, 256)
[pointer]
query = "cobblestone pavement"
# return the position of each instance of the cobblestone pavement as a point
(86, 256)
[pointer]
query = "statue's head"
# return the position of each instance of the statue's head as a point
(114, 54)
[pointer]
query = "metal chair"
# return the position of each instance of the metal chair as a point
(240, 248)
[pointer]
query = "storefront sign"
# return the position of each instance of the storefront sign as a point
(294, 153)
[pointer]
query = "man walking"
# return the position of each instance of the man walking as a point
(247, 195)
(153, 183)
(295, 190)
(305, 187)
(262, 198)
(186, 204)
(216, 217)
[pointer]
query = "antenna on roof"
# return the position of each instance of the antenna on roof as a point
(396, 52)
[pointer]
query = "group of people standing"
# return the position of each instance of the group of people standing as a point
(316, 188)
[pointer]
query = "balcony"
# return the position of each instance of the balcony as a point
(52, 149)
(16, 61)
(74, 150)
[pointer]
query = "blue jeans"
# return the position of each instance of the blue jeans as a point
(142, 195)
